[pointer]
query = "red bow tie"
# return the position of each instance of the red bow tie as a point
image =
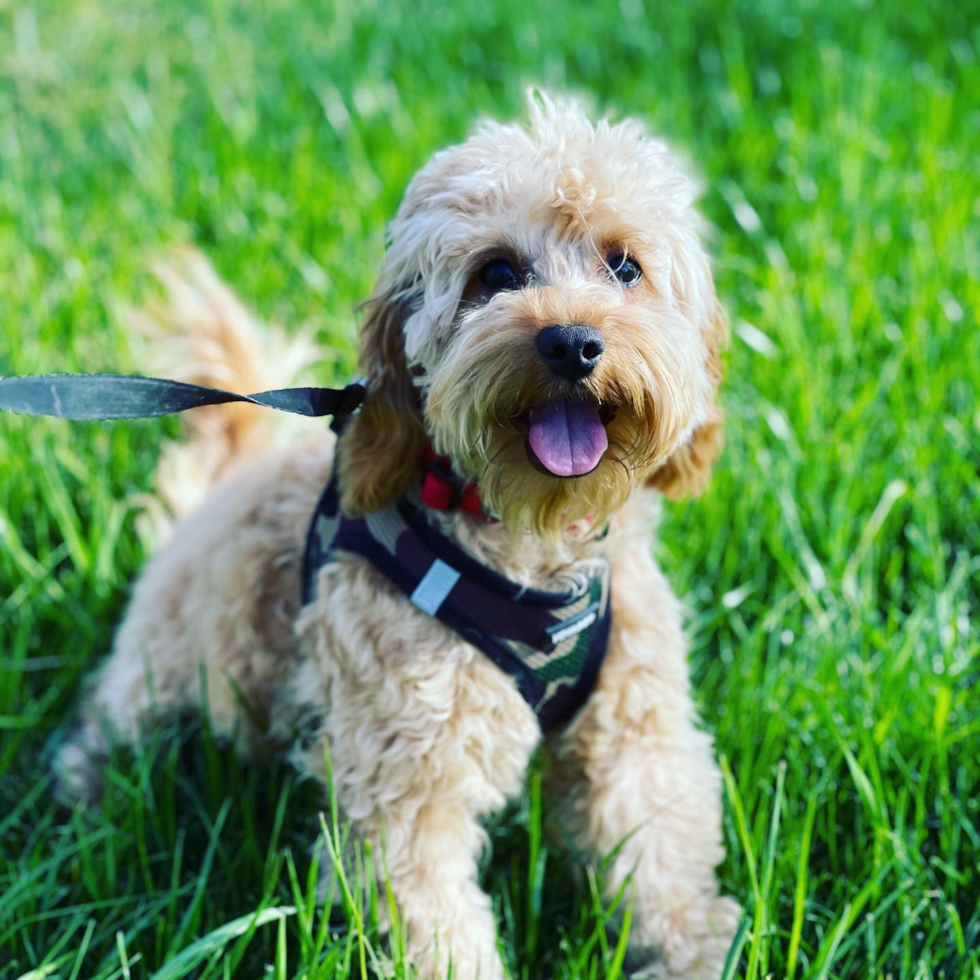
(443, 490)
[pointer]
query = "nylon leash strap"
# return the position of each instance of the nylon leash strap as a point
(98, 397)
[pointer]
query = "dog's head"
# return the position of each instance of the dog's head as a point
(546, 317)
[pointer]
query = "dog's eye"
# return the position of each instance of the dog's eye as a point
(624, 268)
(498, 275)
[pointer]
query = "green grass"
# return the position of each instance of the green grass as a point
(831, 570)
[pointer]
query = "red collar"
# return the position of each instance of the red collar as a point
(443, 490)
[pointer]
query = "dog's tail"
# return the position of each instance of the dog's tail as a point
(201, 333)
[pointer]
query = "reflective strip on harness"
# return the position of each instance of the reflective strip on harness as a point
(431, 592)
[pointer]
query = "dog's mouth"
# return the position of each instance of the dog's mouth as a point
(566, 436)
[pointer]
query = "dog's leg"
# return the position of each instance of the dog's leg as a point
(431, 855)
(210, 624)
(156, 672)
(423, 740)
(121, 701)
(646, 783)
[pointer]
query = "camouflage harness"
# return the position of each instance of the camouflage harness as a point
(551, 643)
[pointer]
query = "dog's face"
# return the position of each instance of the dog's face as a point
(546, 317)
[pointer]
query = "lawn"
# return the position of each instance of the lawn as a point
(831, 571)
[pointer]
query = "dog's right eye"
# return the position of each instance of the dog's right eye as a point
(499, 275)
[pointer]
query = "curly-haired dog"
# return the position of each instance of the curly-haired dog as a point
(545, 327)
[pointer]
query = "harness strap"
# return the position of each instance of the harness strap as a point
(96, 397)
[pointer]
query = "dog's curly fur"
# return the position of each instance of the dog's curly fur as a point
(426, 735)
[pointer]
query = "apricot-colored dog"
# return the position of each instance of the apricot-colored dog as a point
(546, 318)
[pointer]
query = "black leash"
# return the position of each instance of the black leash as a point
(96, 397)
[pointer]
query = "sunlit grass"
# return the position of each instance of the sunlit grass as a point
(831, 571)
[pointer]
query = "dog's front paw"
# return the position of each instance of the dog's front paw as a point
(464, 960)
(460, 943)
(694, 942)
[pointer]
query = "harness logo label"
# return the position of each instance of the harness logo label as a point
(564, 631)
(436, 584)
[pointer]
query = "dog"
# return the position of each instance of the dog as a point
(543, 341)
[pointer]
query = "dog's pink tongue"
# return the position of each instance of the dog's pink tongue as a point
(567, 436)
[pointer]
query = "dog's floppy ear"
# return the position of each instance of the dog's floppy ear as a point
(687, 469)
(381, 448)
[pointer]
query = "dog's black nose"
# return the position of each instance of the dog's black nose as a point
(571, 350)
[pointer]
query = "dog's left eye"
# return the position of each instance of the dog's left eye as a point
(499, 275)
(624, 268)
